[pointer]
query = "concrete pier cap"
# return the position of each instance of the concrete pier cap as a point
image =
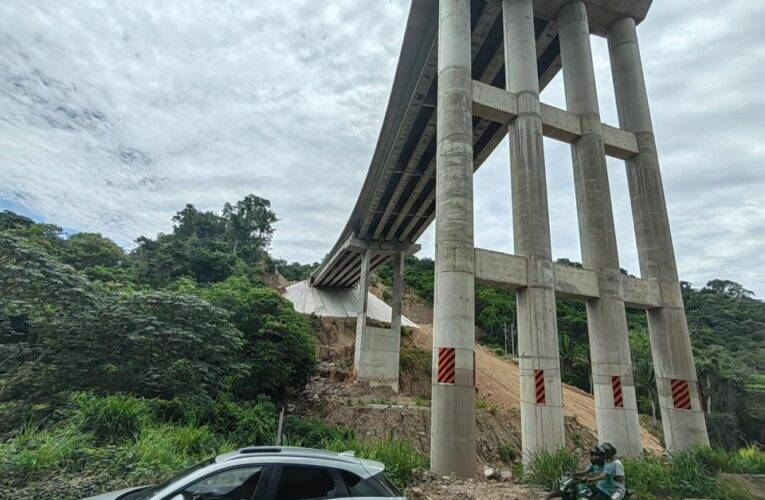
(600, 13)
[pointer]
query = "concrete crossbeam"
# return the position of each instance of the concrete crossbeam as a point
(573, 282)
(510, 272)
(498, 105)
(500, 269)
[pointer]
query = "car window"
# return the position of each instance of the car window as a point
(358, 486)
(231, 484)
(386, 485)
(148, 492)
(300, 483)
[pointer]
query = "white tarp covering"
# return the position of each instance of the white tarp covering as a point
(337, 303)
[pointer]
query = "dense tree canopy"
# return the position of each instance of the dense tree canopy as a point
(184, 313)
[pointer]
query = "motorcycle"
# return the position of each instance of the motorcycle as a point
(573, 488)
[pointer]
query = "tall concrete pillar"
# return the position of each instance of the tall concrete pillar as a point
(452, 428)
(397, 303)
(613, 383)
(541, 392)
(376, 350)
(681, 411)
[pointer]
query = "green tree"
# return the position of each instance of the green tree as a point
(59, 332)
(88, 250)
(249, 225)
(279, 350)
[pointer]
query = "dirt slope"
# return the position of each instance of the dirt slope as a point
(498, 383)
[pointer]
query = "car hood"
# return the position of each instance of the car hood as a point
(114, 495)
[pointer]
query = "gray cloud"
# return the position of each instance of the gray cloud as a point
(117, 113)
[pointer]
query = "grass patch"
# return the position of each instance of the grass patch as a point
(421, 401)
(508, 452)
(34, 451)
(692, 473)
(111, 418)
(162, 450)
(312, 432)
(398, 455)
(545, 468)
(415, 360)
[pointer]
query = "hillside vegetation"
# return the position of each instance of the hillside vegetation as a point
(118, 368)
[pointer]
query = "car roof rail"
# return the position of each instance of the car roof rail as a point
(261, 449)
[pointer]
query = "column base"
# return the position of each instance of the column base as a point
(377, 357)
(452, 430)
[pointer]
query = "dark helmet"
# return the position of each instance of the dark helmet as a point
(597, 455)
(610, 451)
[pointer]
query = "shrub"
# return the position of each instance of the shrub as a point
(749, 460)
(112, 418)
(244, 423)
(415, 360)
(174, 410)
(507, 452)
(691, 477)
(546, 468)
(313, 432)
(279, 351)
(648, 475)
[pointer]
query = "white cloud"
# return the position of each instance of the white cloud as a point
(117, 113)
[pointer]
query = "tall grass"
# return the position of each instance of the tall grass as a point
(546, 468)
(398, 455)
(33, 451)
(112, 418)
(162, 450)
(691, 473)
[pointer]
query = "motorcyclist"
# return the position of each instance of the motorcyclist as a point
(597, 461)
(611, 479)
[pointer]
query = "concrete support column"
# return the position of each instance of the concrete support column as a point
(613, 383)
(376, 351)
(541, 394)
(684, 425)
(452, 428)
(396, 305)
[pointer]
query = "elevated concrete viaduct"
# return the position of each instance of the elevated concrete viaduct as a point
(469, 74)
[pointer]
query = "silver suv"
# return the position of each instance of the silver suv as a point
(271, 473)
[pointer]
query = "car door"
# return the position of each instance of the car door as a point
(307, 482)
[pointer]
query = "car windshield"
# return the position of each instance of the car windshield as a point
(147, 492)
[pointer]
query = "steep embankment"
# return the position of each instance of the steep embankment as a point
(498, 381)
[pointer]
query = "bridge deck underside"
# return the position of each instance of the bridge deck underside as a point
(397, 201)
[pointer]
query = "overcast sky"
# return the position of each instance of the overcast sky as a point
(115, 114)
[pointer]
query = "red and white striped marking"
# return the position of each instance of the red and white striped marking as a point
(539, 384)
(447, 371)
(616, 383)
(681, 394)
